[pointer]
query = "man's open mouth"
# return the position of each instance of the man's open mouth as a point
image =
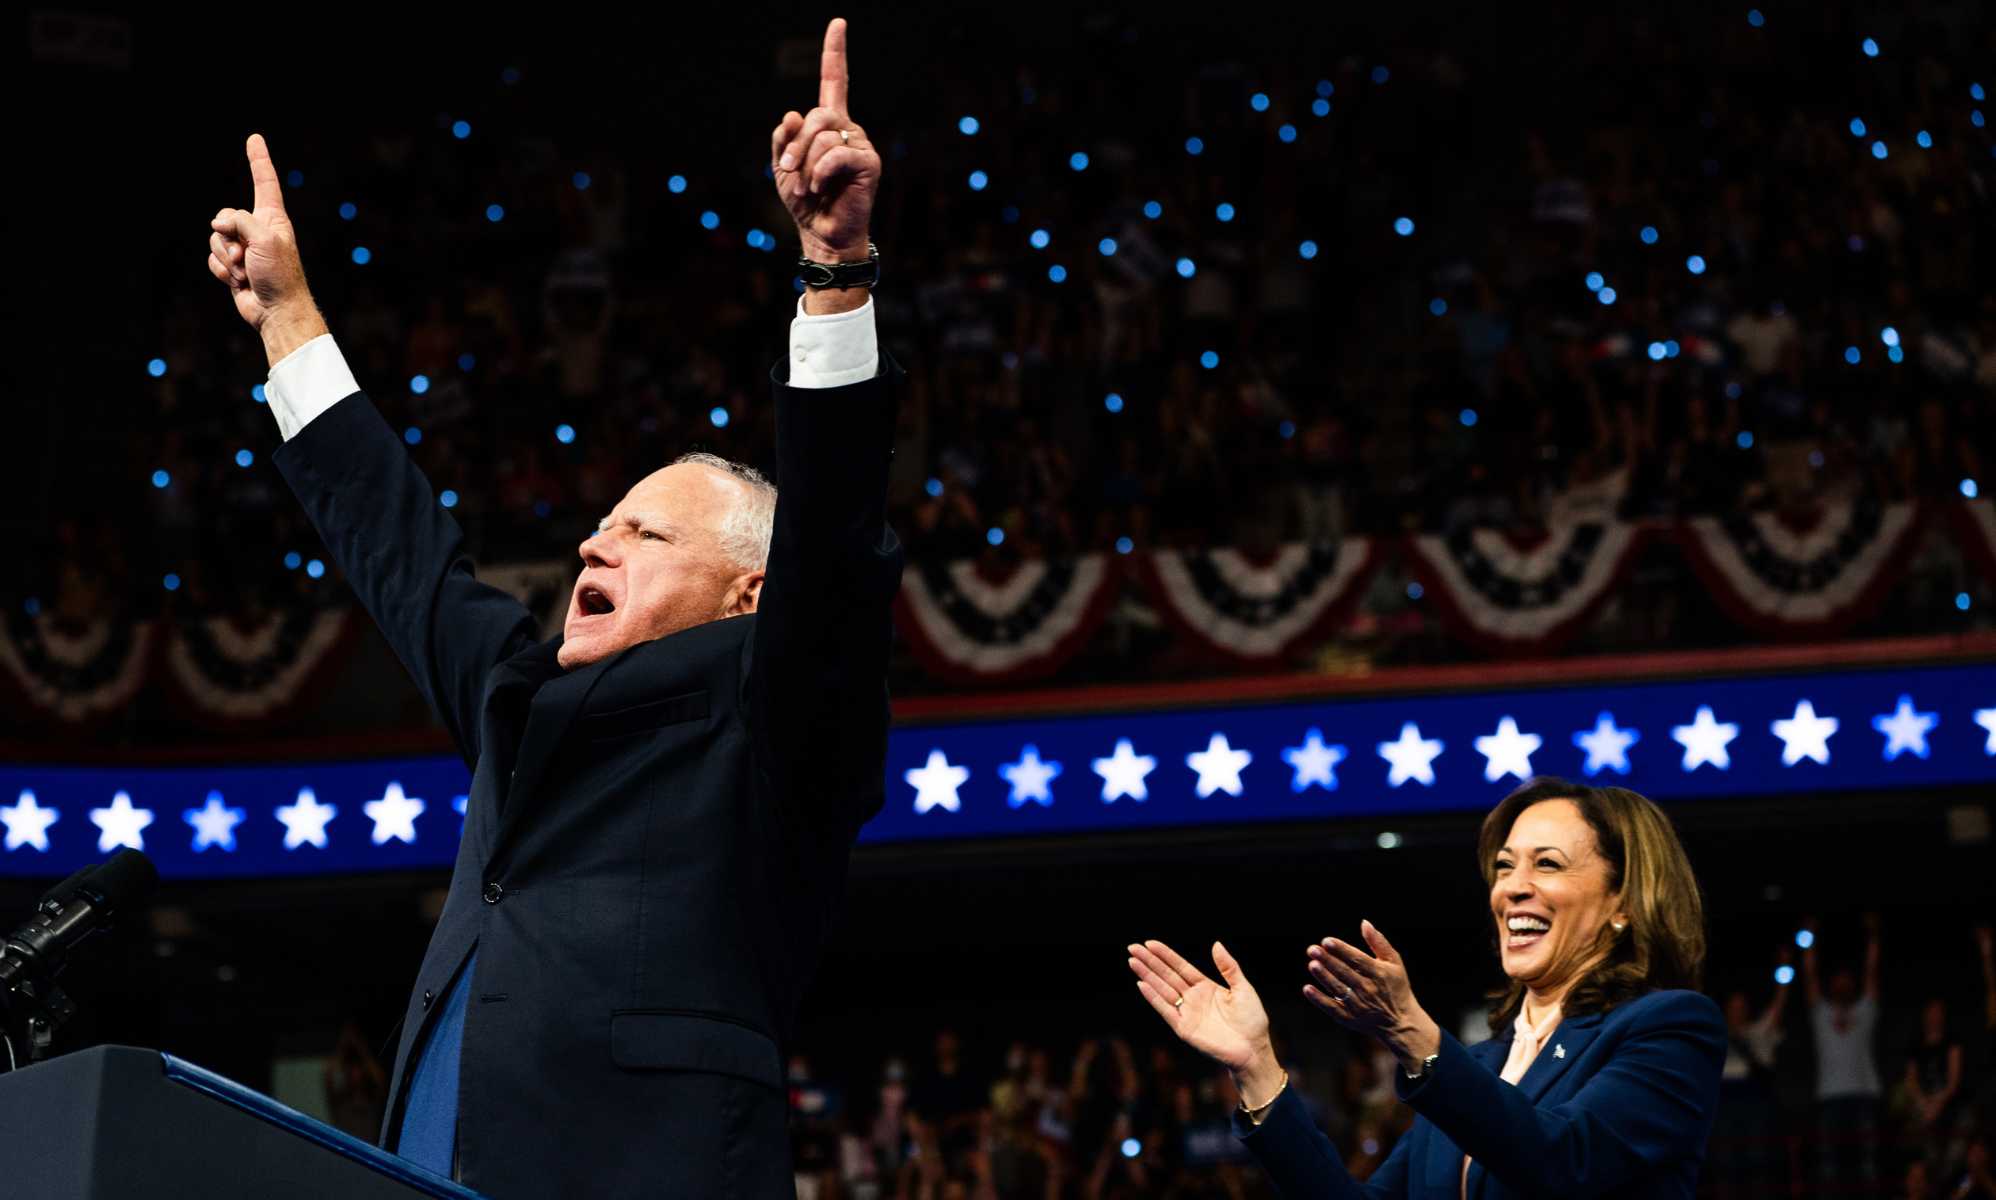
(591, 601)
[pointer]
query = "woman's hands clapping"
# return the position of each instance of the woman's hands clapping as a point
(1226, 1024)
(1370, 994)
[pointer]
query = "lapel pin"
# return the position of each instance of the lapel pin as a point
(1558, 1050)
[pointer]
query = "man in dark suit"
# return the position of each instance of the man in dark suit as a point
(665, 797)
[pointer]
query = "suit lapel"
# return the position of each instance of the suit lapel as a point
(1559, 1053)
(553, 708)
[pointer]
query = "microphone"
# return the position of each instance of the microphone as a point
(71, 911)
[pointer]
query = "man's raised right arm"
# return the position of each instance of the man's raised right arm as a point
(399, 549)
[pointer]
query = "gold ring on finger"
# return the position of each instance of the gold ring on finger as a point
(1178, 1003)
(845, 137)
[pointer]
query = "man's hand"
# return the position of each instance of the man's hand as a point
(255, 252)
(827, 172)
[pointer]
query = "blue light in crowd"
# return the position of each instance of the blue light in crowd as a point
(467, 361)
(447, 498)
(1225, 212)
(362, 256)
(718, 417)
(171, 582)
(1057, 273)
(754, 238)
(581, 181)
(1195, 146)
(1381, 74)
(1968, 489)
(1870, 47)
(1804, 938)
(1606, 295)
(967, 126)
(1857, 127)
(1320, 108)
(1404, 226)
(1124, 545)
(1649, 235)
(1924, 139)
(1963, 601)
(1287, 429)
(1009, 214)
(1896, 354)
(1438, 306)
(1286, 132)
(1695, 264)
(460, 130)
(710, 219)
(761, 240)
(1415, 591)
(419, 384)
(978, 180)
(564, 433)
(315, 569)
(294, 178)
(1078, 160)
(1153, 209)
(1975, 91)
(244, 458)
(293, 560)
(1308, 249)
(1187, 268)
(1671, 349)
(1107, 246)
(1468, 418)
(995, 536)
(1596, 281)
(1784, 974)
(1325, 88)
(257, 394)
(1132, 1147)
(156, 367)
(495, 213)
(1754, 18)
(1853, 355)
(413, 436)
(1038, 239)
(1744, 441)
(1258, 102)
(1656, 351)
(1975, 117)
(160, 479)
(676, 184)
(1209, 359)
(1113, 402)
(1889, 336)
(1878, 150)
(349, 211)
(933, 487)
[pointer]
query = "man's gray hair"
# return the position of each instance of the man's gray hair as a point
(745, 530)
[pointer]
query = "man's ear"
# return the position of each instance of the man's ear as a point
(743, 594)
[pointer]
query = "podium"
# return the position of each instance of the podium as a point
(115, 1121)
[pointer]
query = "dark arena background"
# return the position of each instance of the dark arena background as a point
(1319, 420)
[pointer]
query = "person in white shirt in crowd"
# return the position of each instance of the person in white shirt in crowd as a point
(1744, 1155)
(1844, 1021)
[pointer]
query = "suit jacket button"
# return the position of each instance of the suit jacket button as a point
(494, 893)
(429, 998)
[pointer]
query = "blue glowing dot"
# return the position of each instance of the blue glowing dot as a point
(754, 237)
(349, 211)
(1258, 102)
(1057, 273)
(257, 394)
(1415, 591)
(1286, 132)
(447, 498)
(1870, 48)
(1852, 355)
(293, 560)
(1113, 402)
(1287, 429)
(172, 582)
(1124, 545)
(1079, 162)
(467, 361)
(564, 433)
(1225, 212)
(1672, 349)
(978, 180)
(718, 417)
(1969, 490)
(1733, 389)
(413, 436)
(156, 367)
(1468, 418)
(1649, 235)
(1744, 441)
(1308, 249)
(1784, 974)
(419, 384)
(1325, 88)
(710, 219)
(460, 130)
(933, 487)
(995, 536)
(1889, 336)
(1804, 938)
(244, 458)
(1754, 18)
(1857, 127)
(160, 478)
(676, 184)
(1924, 139)
(1195, 146)
(1878, 150)
(1656, 352)
(581, 181)
(1896, 354)
(1107, 246)
(294, 178)
(1695, 264)
(1438, 306)
(1962, 601)
(1404, 226)
(362, 256)
(1038, 239)
(1187, 268)
(1596, 281)
(1320, 108)
(967, 126)
(1606, 295)
(1153, 209)
(315, 568)
(1975, 91)
(1209, 359)
(1132, 1147)
(495, 213)
(1380, 74)
(1975, 117)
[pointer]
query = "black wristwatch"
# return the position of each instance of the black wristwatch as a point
(1427, 1069)
(842, 274)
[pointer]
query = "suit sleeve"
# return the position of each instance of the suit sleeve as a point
(404, 557)
(817, 674)
(1652, 1103)
(1304, 1165)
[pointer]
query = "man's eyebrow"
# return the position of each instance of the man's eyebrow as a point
(639, 521)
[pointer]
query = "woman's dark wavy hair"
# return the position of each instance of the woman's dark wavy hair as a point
(1664, 943)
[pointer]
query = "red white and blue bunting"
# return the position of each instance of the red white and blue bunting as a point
(1816, 582)
(969, 628)
(233, 670)
(74, 673)
(1508, 598)
(1260, 612)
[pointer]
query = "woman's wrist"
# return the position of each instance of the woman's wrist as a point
(1260, 1079)
(1414, 1043)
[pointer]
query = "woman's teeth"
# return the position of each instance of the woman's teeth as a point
(1525, 931)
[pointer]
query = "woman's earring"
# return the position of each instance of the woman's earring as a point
(1619, 926)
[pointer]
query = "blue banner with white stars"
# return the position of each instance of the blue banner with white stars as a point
(1376, 757)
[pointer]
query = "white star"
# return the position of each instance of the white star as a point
(28, 823)
(1029, 778)
(120, 824)
(935, 784)
(394, 815)
(1805, 735)
(1705, 739)
(1905, 729)
(1607, 747)
(306, 820)
(1412, 756)
(1219, 766)
(1508, 752)
(1123, 773)
(214, 823)
(1315, 763)
(1986, 717)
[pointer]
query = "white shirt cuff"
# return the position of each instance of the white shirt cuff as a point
(835, 349)
(307, 382)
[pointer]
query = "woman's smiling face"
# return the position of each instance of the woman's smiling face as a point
(1551, 896)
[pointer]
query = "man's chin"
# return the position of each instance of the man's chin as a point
(582, 650)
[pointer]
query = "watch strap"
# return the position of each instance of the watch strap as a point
(865, 273)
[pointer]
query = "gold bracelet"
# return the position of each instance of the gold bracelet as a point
(1254, 1114)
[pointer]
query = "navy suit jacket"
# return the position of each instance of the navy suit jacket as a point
(655, 844)
(1616, 1104)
